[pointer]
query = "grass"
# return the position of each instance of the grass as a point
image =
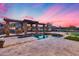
(74, 36)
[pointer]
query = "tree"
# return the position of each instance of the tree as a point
(72, 27)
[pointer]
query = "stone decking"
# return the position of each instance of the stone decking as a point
(50, 46)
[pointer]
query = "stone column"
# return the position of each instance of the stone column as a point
(25, 28)
(36, 28)
(31, 26)
(6, 28)
(47, 27)
(43, 28)
(21, 27)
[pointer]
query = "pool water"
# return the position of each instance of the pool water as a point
(41, 36)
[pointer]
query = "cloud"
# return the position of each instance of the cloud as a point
(50, 12)
(4, 7)
(67, 18)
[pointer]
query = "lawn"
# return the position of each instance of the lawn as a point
(73, 36)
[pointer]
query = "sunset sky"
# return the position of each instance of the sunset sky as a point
(63, 14)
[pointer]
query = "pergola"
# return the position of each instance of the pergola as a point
(24, 25)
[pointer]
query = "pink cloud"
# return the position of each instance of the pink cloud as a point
(66, 19)
(62, 19)
(28, 17)
(49, 13)
(3, 9)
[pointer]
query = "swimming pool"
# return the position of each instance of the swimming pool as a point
(41, 36)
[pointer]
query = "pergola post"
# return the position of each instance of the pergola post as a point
(47, 27)
(36, 28)
(25, 28)
(6, 29)
(43, 28)
(31, 26)
(21, 26)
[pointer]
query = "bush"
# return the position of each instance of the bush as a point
(75, 38)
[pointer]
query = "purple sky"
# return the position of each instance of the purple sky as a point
(57, 14)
